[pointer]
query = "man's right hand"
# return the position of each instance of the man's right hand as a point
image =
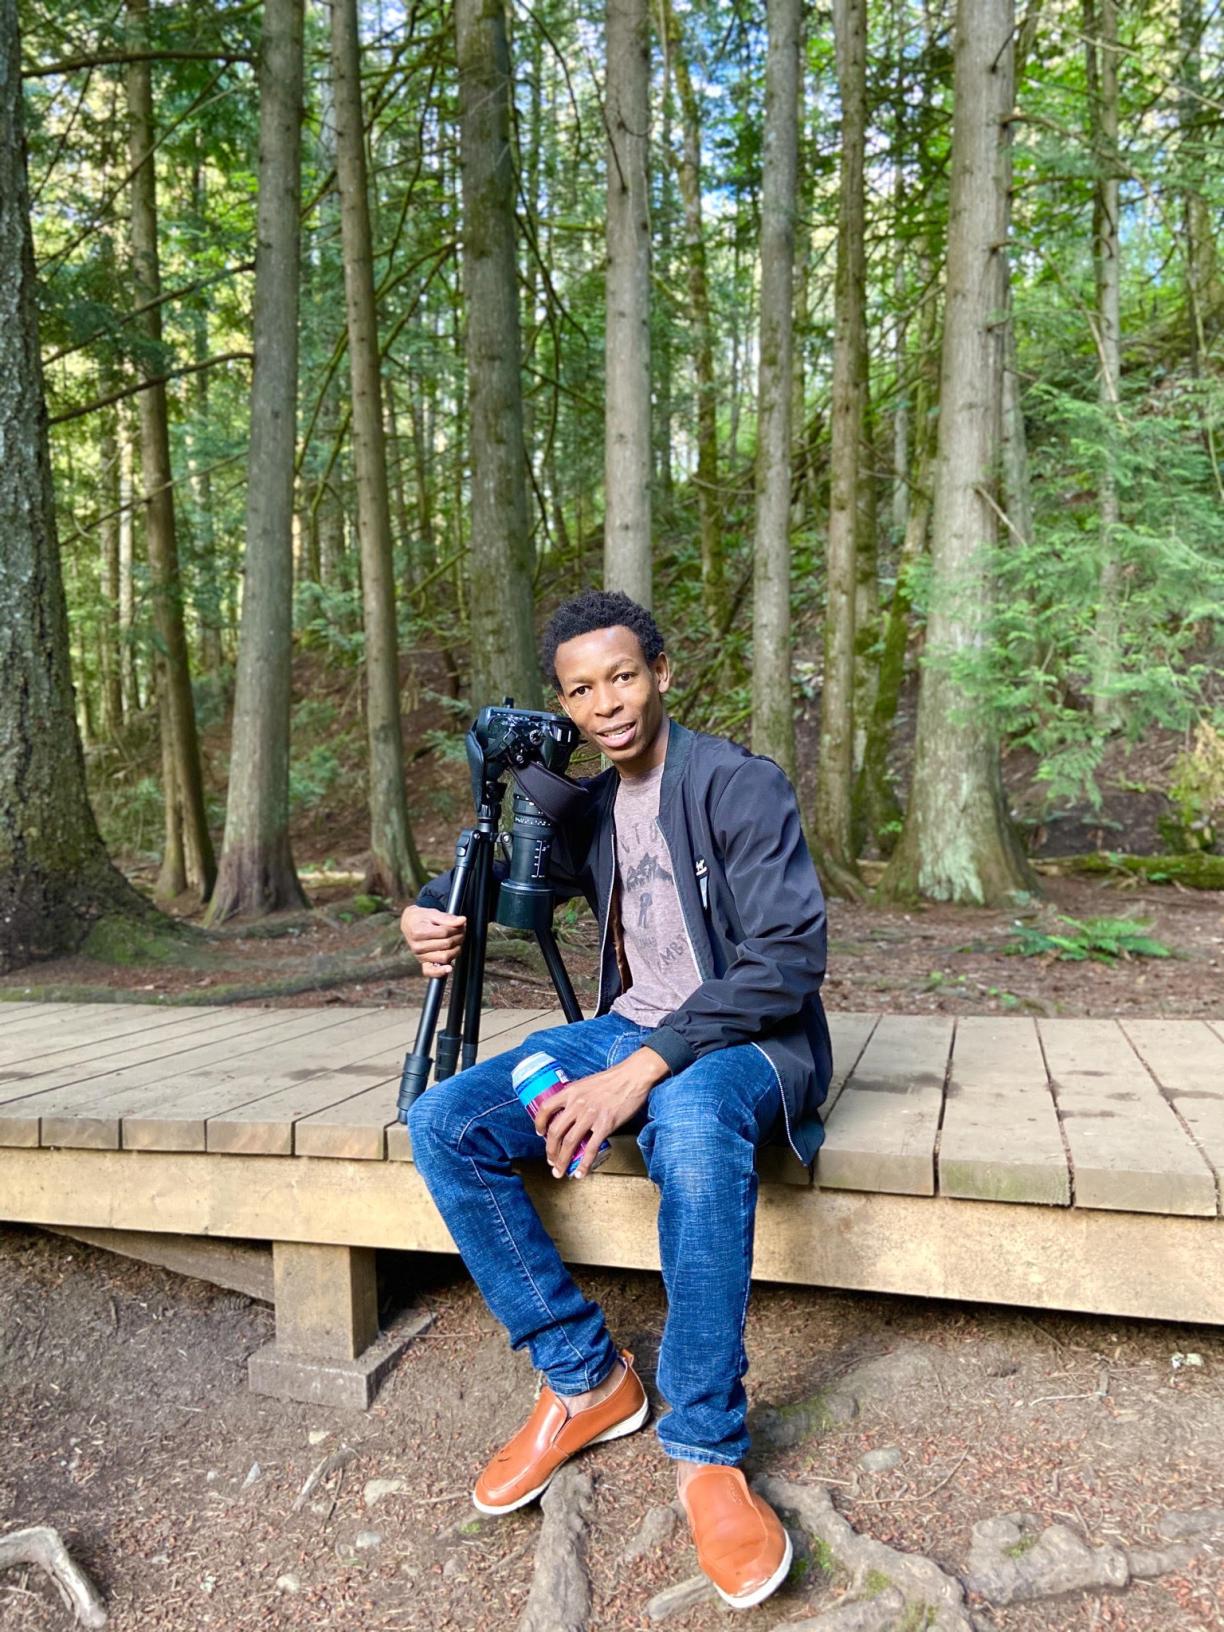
(434, 937)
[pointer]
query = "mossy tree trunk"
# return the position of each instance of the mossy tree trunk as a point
(501, 558)
(55, 877)
(627, 553)
(393, 866)
(709, 500)
(257, 873)
(958, 843)
(188, 862)
(773, 715)
(831, 835)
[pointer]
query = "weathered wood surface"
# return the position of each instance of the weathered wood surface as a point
(1128, 1148)
(1095, 1114)
(1001, 1139)
(1186, 1058)
(880, 1134)
(1168, 1268)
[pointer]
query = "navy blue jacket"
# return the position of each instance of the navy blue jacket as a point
(753, 911)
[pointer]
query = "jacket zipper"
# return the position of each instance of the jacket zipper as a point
(703, 883)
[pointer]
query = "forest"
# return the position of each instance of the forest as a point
(878, 347)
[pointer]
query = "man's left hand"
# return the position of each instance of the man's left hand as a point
(593, 1107)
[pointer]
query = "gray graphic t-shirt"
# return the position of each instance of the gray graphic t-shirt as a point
(656, 946)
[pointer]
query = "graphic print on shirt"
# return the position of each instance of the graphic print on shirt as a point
(656, 947)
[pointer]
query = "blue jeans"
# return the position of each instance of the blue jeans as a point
(699, 1135)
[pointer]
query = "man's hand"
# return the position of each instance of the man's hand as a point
(434, 937)
(593, 1107)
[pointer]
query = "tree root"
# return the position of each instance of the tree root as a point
(44, 1547)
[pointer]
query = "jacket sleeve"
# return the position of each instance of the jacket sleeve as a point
(780, 962)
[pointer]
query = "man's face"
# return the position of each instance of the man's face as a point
(614, 696)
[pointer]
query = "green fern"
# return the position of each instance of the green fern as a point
(1103, 939)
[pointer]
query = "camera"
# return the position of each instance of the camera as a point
(533, 748)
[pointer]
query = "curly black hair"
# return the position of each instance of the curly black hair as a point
(597, 609)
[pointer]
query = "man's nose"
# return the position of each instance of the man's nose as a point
(606, 701)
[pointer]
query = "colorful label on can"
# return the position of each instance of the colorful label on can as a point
(538, 1078)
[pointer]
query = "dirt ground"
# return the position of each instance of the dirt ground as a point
(125, 1422)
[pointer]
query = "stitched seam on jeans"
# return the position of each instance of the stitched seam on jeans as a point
(542, 1300)
(695, 1453)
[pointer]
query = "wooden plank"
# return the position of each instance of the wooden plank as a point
(93, 1058)
(1123, 1264)
(175, 1114)
(67, 1089)
(365, 1126)
(1186, 1057)
(1128, 1149)
(234, 1264)
(880, 1135)
(1000, 1139)
(59, 1026)
(90, 1116)
(849, 1033)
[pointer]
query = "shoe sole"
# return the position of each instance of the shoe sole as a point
(758, 1595)
(618, 1431)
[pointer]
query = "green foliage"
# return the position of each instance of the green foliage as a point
(130, 814)
(1197, 791)
(312, 777)
(1105, 940)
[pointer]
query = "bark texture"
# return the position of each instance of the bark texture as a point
(709, 506)
(501, 555)
(1101, 48)
(957, 843)
(257, 872)
(627, 563)
(835, 772)
(188, 861)
(773, 719)
(393, 868)
(55, 878)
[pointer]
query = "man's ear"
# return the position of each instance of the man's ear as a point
(662, 672)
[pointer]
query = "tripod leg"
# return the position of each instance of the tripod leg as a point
(559, 973)
(414, 1078)
(454, 1052)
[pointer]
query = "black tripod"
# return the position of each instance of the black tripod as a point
(473, 892)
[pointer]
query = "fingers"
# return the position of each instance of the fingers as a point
(436, 938)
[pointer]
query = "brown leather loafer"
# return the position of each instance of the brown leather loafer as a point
(740, 1542)
(523, 1468)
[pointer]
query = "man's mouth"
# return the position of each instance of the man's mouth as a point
(618, 735)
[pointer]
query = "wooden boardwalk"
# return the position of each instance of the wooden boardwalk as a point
(1064, 1163)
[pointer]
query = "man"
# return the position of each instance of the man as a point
(709, 1036)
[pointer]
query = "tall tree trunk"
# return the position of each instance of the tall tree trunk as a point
(773, 715)
(663, 325)
(55, 878)
(257, 872)
(1204, 287)
(835, 771)
(111, 634)
(1101, 48)
(208, 569)
(709, 510)
(500, 556)
(127, 576)
(627, 553)
(393, 867)
(186, 807)
(957, 843)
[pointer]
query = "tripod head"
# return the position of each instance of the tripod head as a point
(533, 748)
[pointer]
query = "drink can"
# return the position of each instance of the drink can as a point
(538, 1078)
